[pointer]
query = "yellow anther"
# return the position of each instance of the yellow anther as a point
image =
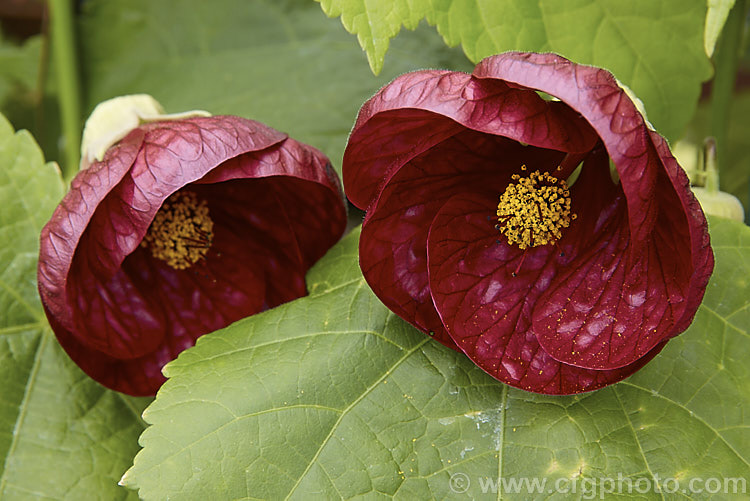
(181, 232)
(533, 210)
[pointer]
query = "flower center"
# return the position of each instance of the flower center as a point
(534, 209)
(181, 232)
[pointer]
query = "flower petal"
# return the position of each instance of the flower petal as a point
(703, 257)
(652, 181)
(488, 311)
(135, 376)
(111, 204)
(104, 291)
(308, 203)
(393, 245)
(594, 93)
(664, 260)
(604, 310)
(421, 109)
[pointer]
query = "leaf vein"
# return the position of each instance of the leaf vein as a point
(22, 411)
(635, 437)
(693, 415)
(350, 407)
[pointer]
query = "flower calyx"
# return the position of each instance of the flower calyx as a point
(113, 119)
(714, 201)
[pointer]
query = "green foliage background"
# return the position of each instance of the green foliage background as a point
(332, 395)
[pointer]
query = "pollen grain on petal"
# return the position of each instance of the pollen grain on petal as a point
(534, 209)
(181, 232)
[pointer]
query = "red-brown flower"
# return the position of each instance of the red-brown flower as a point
(183, 228)
(473, 234)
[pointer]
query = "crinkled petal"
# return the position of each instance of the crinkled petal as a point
(488, 311)
(393, 245)
(108, 294)
(105, 215)
(703, 257)
(665, 264)
(420, 116)
(594, 93)
(652, 181)
(601, 311)
(420, 109)
(626, 276)
(310, 201)
(135, 376)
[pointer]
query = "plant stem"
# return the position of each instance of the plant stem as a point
(68, 85)
(710, 169)
(725, 61)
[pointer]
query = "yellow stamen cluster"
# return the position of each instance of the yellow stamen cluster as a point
(534, 209)
(181, 232)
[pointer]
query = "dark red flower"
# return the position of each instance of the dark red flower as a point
(240, 212)
(473, 235)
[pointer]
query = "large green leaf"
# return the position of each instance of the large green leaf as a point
(62, 436)
(279, 62)
(332, 396)
(655, 48)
